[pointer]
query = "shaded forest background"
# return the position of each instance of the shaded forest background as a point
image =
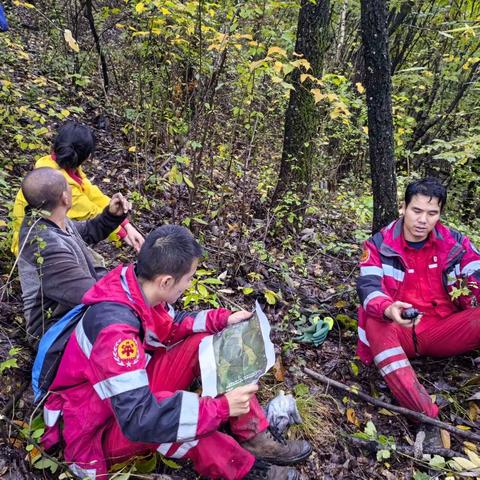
(190, 101)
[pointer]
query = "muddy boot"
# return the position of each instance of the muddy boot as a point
(265, 471)
(275, 449)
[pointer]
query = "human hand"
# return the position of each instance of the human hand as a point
(239, 316)
(394, 313)
(134, 238)
(119, 205)
(239, 399)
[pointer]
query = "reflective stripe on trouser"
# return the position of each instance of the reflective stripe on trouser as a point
(390, 344)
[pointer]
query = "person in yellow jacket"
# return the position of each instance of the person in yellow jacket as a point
(73, 145)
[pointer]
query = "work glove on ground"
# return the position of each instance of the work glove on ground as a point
(314, 334)
(282, 412)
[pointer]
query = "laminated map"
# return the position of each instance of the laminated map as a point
(238, 355)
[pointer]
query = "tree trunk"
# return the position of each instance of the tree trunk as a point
(380, 123)
(302, 115)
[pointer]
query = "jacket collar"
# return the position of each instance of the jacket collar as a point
(121, 286)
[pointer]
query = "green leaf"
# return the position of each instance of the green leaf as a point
(383, 455)
(371, 430)
(247, 290)
(270, 297)
(202, 290)
(146, 465)
(170, 463)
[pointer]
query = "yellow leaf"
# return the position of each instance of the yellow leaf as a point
(278, 50)
(365, 130)
(463, 427)
(270, 297)
(306, 76)
(65, 112)
(165, 11)
(470, 446)
(72, 43)
(474, 458)
(302, 62)
(277, 66)
(276, 79)
(318, 96)
(132, 149)
(188, 182)
(3, 223)
(464, 463)
(445, 436)
(352, 417)
(360, 87)
(140, 7)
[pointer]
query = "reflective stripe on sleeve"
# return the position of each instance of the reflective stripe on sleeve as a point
(163, 448)
(371, 296)
(50, 417)
(82, 339)
(471, 268)
(187, 423)
(389, 271)
(394, 366)
(90, 473)
(390, 352)
(362, 335)
(183, 449)
(121, 383)
(377, 271)
(200, 321)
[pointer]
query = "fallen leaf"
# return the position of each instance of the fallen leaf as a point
(279, 370)
(445, 436)
(72, 43)
(352, 417)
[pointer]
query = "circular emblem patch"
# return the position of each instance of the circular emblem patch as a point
(365, 255)
(125, 352)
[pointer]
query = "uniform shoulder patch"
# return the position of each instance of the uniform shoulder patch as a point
(125, 352)
(365, 255)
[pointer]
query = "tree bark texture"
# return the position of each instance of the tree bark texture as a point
(378, 86)
(302, 115)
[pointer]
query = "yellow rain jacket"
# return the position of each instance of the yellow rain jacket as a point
(88, 201)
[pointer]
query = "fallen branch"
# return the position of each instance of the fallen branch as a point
(394, 408)
(373, 447)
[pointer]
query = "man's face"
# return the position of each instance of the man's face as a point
(172, 291)
(420, 217)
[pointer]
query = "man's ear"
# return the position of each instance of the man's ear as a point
(64, 198)
(164, 281)
(401, 209)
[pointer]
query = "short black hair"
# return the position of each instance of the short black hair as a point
(73, 144)
(43, 187)
(430, 187)
(168, 250)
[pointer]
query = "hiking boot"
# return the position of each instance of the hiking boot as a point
(273, 448)
(265, 471)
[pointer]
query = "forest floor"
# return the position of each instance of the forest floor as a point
(315, 275)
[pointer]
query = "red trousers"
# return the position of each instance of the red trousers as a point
(216, 455)
(392, 345)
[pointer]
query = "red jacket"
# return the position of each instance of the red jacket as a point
(102, 376)
(447, 260)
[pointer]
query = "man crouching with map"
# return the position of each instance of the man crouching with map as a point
(122, 384)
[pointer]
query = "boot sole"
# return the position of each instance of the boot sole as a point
(285, 463)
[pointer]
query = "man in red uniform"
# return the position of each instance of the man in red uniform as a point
(417, 262)
(122, 384)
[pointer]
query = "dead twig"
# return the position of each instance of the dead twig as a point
(393, 408)
(373, 446)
